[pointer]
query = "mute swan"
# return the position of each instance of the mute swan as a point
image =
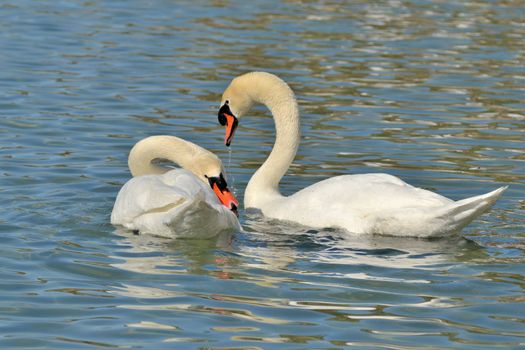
(176, 202)
(360, 204)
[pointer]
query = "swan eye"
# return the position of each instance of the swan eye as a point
(225, 109)
(227, 102)
(220, 181)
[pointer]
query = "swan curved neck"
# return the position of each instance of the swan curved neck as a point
(158, 147)
(280, 100)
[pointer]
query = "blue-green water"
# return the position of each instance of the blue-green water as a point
(431, 91)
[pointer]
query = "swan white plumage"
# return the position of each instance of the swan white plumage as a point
(360, 204)
(175, 202)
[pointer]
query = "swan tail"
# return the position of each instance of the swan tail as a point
(461, 213)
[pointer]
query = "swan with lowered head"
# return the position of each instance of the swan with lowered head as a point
(360, 204)
(175, 202)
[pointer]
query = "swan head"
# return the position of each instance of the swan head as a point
(236, 101)
(220, 187)
(208, 168)
(250, 88)
(228, 119)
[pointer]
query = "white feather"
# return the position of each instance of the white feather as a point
(176, 203)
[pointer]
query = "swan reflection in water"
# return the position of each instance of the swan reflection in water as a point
(278, 246)
(151, 254)
(287, 256)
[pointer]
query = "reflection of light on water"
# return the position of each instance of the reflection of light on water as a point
(92, 343)
(365, 276)
(440, 303)
(382, 317)
(236, 313)
(322, 305)
(403, 259)
(270, 340)
(144, 292)
(153, 325)
(407, 333)
(235, 329)
(186, 340)
(149, 265)
(387, 346)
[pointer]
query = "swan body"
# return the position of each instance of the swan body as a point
(360, 204)
(176, 202)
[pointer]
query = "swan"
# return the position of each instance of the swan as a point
(176, 202)
(360, 204)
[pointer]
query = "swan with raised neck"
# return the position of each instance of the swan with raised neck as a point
(362, 203)
(267, 89)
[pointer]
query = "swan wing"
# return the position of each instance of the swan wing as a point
(198, 217)
(145, 194)
(175, 203)
(365, 191)
(381, 204)
(360, 203)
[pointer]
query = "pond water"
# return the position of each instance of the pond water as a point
(427, 90)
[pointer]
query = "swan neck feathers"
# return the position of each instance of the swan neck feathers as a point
(185, 154)
(278, 97)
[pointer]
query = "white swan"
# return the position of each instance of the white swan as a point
(175, 202)
(364, 203)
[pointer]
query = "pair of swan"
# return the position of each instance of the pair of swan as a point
(360, 204)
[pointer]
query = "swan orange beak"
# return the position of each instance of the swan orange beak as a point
(231, 125)
(226, 198)
(220, 187)
(227, 119)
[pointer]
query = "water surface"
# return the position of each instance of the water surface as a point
(430, 91)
